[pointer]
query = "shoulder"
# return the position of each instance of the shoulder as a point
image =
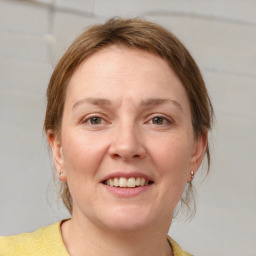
(44, 241)
(177, 251)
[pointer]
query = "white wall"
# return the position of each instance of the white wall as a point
(220, 34)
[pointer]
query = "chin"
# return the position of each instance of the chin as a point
(129, 219)
(125, 225)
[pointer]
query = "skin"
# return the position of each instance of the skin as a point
(144, 126)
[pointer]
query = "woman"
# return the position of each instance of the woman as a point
(127, 121)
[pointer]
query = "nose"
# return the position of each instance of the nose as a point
(127, 144)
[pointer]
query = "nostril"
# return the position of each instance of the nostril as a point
(115, 156)
(126, 152)
(124, 156)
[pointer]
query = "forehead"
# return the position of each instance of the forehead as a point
(118, 72)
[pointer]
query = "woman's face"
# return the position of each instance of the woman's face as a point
(127, 145)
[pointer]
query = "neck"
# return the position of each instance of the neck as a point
(84, 238)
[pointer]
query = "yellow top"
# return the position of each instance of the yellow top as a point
(48, 241)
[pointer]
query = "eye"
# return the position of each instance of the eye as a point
(94, 120)
(159, 120)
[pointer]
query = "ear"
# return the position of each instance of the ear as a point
(57, 153)
(198, 152)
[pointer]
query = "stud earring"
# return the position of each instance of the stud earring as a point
(60, 174)
(192, 175)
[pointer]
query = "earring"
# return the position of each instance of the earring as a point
(192, 175)
(60, 174)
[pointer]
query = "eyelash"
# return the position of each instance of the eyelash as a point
(165, 120)
(87, 119)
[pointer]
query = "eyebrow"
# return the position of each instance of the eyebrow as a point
(93, 101)
(159, 101)
(147, 103)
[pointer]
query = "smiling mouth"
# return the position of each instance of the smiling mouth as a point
(131, 182)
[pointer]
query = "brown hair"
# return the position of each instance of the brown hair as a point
(138, 34)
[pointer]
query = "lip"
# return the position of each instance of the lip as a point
(127, 192)
(127, 175)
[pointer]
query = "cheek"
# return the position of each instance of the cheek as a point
(82, 153)
(173, 155)
(172, 160)
(82, 158)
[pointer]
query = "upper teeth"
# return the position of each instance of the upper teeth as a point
(127, 183)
